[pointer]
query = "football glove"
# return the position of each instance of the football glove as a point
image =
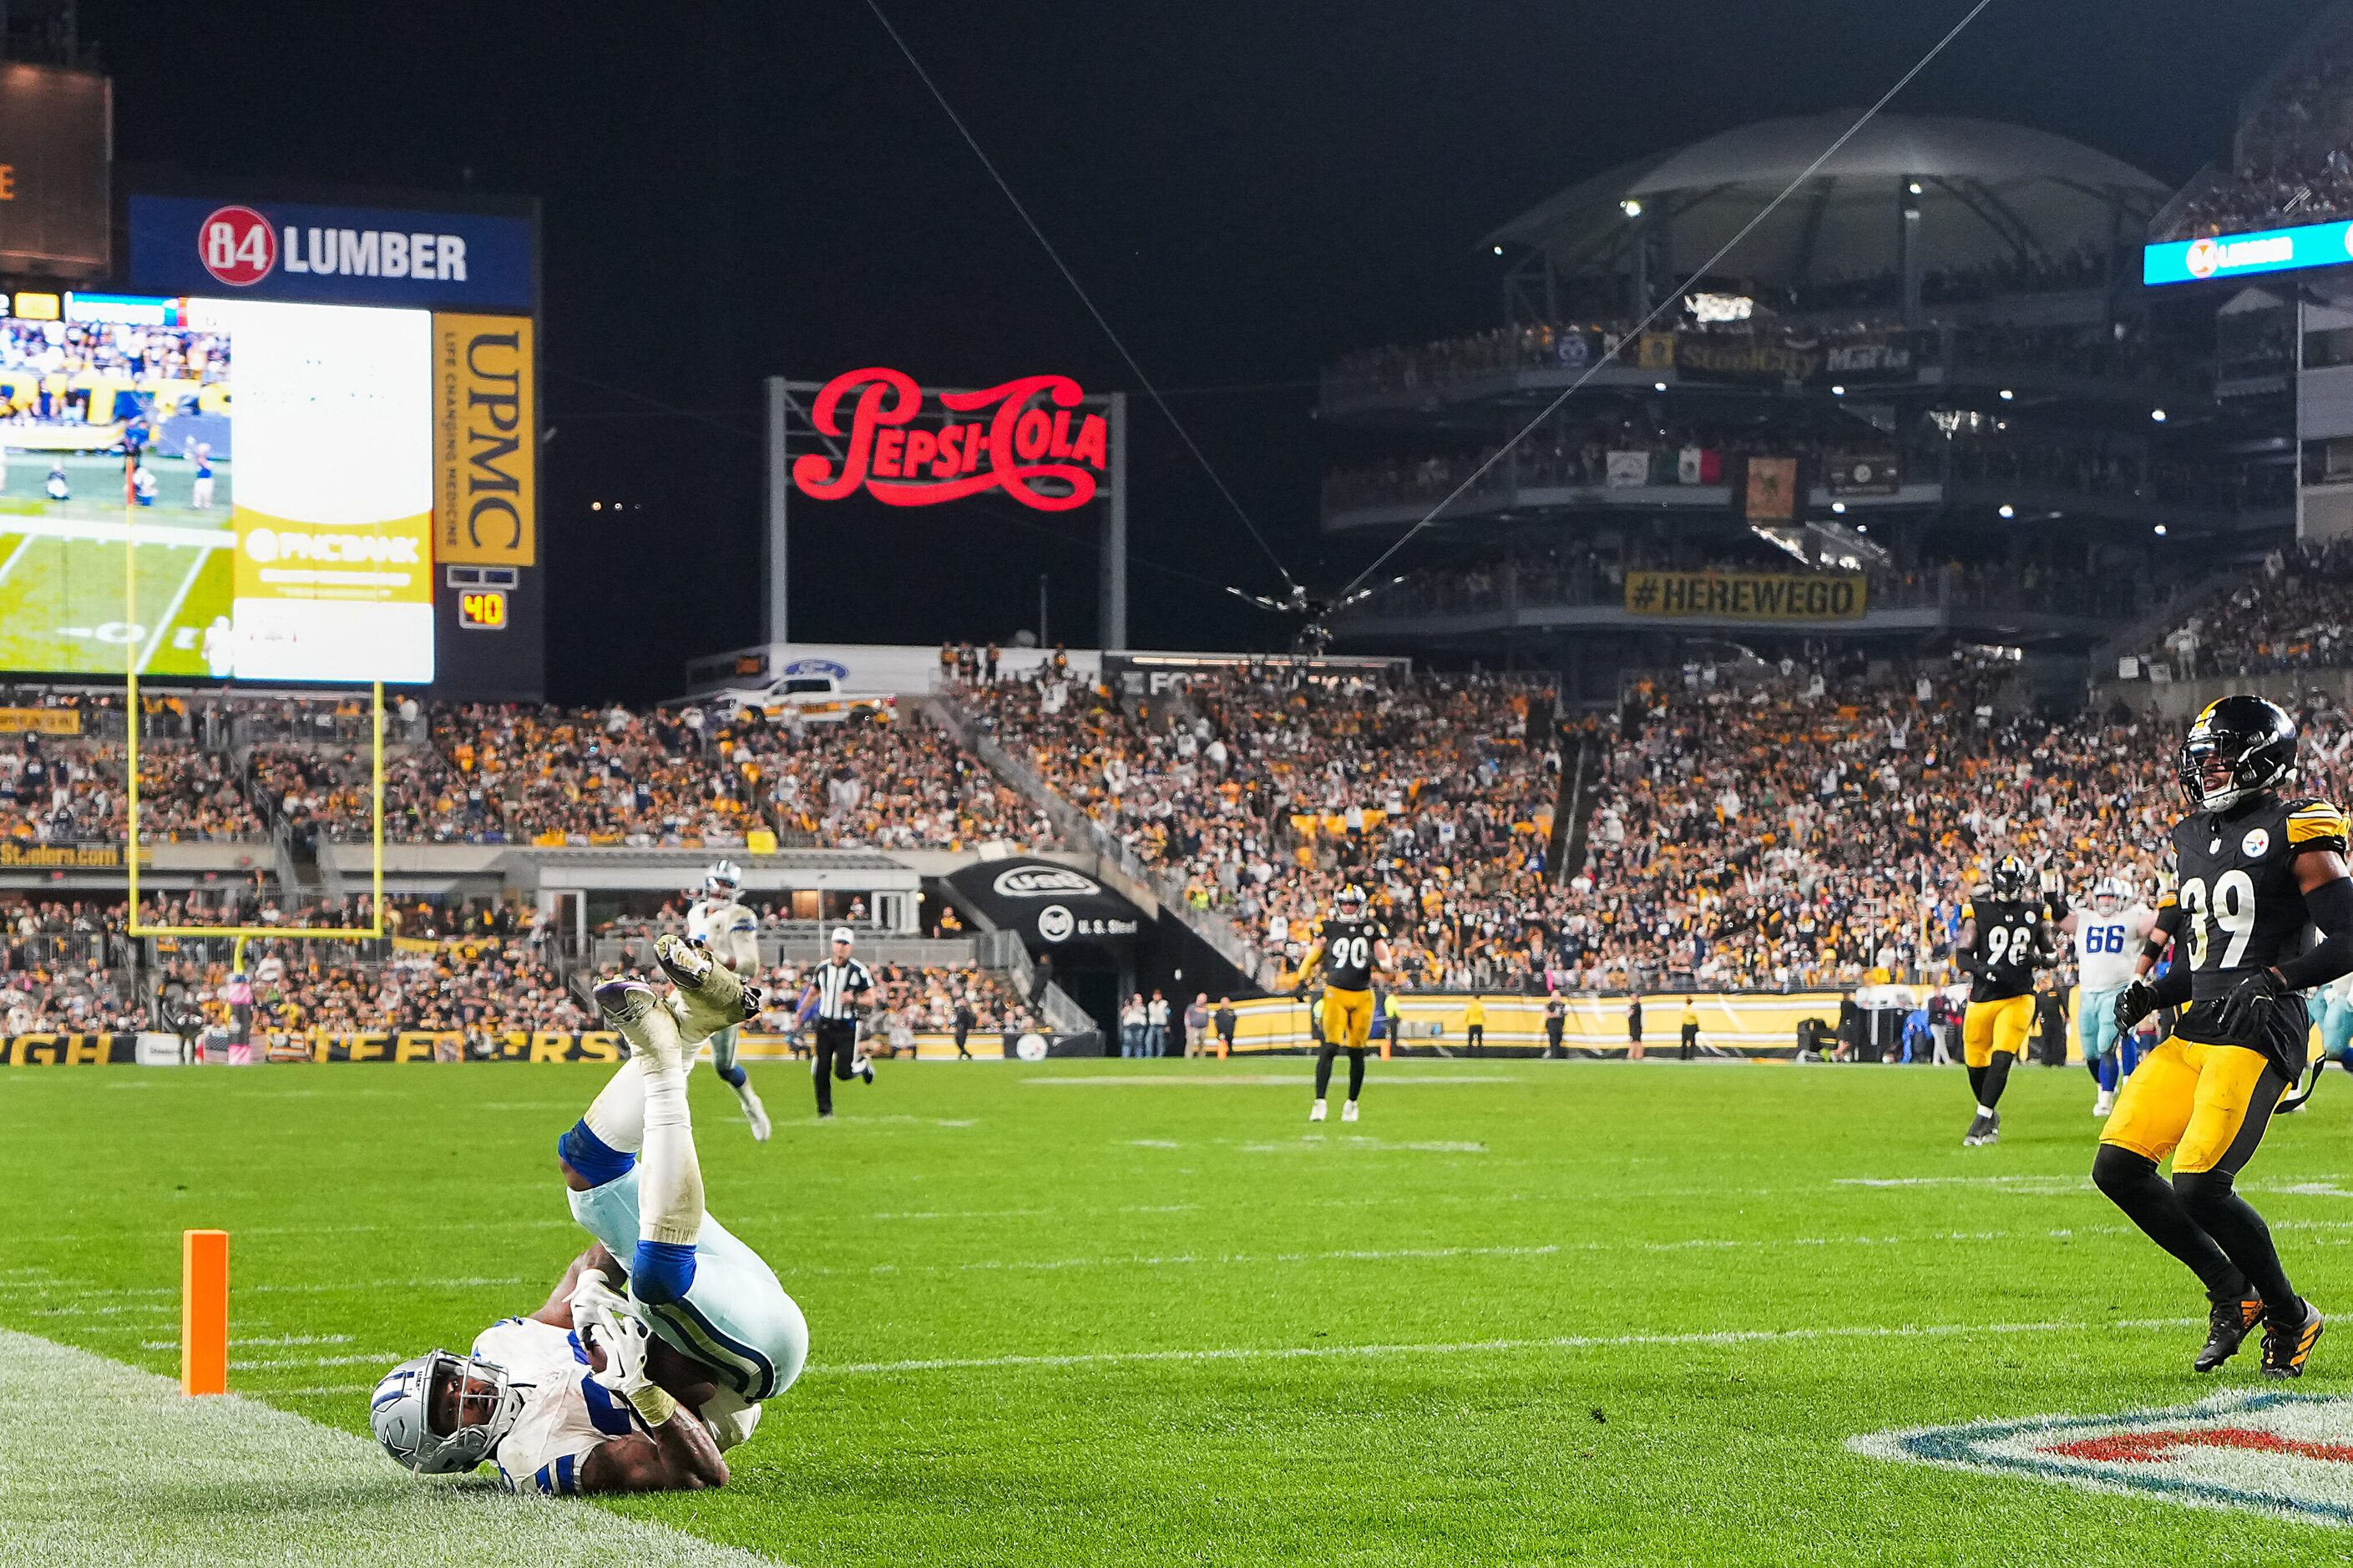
(2240, 1013)
(2134, 1002)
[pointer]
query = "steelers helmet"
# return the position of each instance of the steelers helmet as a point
(2010, 878)
(2250, 741)
(1349, 905)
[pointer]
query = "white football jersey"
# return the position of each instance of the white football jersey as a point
(729, 930)
(2108, 946)
(566, 1414)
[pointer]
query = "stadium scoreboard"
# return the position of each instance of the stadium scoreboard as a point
(296, 441)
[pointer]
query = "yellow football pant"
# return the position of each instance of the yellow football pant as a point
(1347, 1017)
(2188, 1099)
(1990, 1026)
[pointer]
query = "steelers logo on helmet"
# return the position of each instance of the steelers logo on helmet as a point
(2237, 747)
(1350, 904)
(2009, 878)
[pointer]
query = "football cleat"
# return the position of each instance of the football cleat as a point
(866, 1068)
(1348, 1111)
(709, 995)
(1315, 1112)
(2104, 1103)
(633, 1008)
(754, 1111)
(2286, 1345)
(1983, 1130)
(2228, 1323)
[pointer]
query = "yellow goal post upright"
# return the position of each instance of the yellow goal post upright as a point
(375, 926)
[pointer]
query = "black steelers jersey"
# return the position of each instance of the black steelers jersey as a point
(2239, 907)
(1349, 952)
(2011, 937)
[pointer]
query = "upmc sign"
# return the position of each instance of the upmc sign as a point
(347, 255)
(1030, 438)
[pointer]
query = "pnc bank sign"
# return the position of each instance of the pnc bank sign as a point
(1031, 437)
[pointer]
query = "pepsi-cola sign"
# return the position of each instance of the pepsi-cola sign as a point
(1031, 437)
(327, 255)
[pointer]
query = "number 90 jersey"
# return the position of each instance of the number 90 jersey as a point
(2236, 907)
(1349, 952)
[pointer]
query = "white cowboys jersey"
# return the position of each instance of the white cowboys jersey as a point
(566, 1414)
(729, 930)
(2108, 946)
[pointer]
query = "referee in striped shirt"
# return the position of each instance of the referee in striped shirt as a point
(837, 993)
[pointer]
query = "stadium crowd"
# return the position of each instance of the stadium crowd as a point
(2292, 165)
(1262, 794)
(2296, 613)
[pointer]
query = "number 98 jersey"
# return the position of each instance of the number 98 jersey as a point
(2237, 908)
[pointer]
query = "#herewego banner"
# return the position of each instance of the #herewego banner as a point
(1030, 438)
(1749, 596)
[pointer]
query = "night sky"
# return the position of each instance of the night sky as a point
(738, 190)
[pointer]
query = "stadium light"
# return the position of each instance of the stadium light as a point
(2160, 530)
(1913, 187)
(2008, 509)
(1837, 392)
(1863, 528)
(1657, 387)
(596, 505)
(1631, 207)
(2007, 395)
(1499, 250)
(2158, 414)
(1838, 507)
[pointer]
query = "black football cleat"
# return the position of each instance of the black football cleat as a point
(2286, 1345)
(1982, 1131)
(2228, 1323)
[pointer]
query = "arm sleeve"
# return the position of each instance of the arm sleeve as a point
(2162, 928)
(2173, 987)
(2331, 908)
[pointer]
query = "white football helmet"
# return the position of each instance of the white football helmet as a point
(401, 1411)
(721, 880)
(2108, 895)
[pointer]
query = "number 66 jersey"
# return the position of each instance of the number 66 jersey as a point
(2236, 909)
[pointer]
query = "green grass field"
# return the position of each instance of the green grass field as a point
(61, 597)
(1112, 1313)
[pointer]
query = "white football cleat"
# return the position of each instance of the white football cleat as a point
(1315, 1112)
(1348, 1111)
(754, 1111)
(2104, 1103)
(650, 1027)
(866, 1068)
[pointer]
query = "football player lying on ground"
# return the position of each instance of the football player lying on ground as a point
(602, 1391)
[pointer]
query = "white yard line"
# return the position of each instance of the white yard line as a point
(103, 1466)
(171, 612)
(15, 556)
(1478, 1347)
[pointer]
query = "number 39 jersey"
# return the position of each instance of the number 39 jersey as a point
(2009, 942)
(1349, 952)
(2237, 905)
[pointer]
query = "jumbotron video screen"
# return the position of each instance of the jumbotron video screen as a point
(268, 465)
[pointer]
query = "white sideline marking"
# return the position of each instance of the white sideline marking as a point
(103, 1466)
(1255, 1080)
(1473, 1347)
(172, 611)
(266, 1340)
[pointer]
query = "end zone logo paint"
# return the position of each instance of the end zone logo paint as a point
(237, 245)
(1034, 444)
(2282, 1454)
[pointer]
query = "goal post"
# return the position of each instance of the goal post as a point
(132, 713)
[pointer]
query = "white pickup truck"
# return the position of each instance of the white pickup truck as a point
(820, 698)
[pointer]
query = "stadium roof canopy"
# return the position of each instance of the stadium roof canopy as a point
(1989, 193)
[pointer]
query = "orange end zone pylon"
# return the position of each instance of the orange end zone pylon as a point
(204, 1311)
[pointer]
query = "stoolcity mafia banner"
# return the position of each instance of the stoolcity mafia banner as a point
(1749, 596)
(485, 451)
